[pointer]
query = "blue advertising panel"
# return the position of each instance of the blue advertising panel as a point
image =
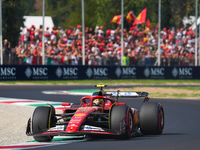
(64, 72)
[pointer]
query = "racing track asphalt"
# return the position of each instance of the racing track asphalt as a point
(182, 121)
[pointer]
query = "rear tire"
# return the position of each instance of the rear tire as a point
(43, 119)
(121, 119)
(151, 118)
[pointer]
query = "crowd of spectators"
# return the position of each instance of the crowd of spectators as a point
(63, 46)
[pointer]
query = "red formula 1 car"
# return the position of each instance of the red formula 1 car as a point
(98, 114)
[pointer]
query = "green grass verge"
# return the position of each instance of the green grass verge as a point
(180, 93)
(108, 82)
(177, 88)
(156, 94)
(177, 95)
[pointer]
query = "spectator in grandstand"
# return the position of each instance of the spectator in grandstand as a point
(64, 46)
(28, 56)
(7, 51)
(27, 37)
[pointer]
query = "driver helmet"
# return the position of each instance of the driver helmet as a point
(98, 102)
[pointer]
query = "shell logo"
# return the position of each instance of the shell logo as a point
(79, 115)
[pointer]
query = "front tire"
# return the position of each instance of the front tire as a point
(151, 118)
(43, 119)
(121, 120)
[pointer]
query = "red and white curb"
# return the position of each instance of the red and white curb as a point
(78, 92)
(29, 102)
(57, 140)
(67, 93)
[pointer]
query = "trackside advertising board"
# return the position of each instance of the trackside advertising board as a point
(63, 72)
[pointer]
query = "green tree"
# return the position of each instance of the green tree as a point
(12, 20)
(67, 13)
(27, 6)
(180, 10)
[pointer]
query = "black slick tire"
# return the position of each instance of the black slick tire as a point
(42, 120)
(151, 118)
(121, 119)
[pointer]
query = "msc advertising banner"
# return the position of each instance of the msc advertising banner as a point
(59, 72)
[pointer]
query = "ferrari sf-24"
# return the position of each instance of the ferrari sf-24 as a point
(98, 114)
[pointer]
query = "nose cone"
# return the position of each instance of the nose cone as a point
(80, 115)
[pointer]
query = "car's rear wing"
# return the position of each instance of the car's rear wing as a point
(121, 94)
(127, 94)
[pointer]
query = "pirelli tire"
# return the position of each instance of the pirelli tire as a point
(43, 118)
(121, 120)
(151, 118)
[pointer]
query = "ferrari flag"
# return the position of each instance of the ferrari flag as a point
(116, 19)
(148, 23)
(141, 17)
(130, 17)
